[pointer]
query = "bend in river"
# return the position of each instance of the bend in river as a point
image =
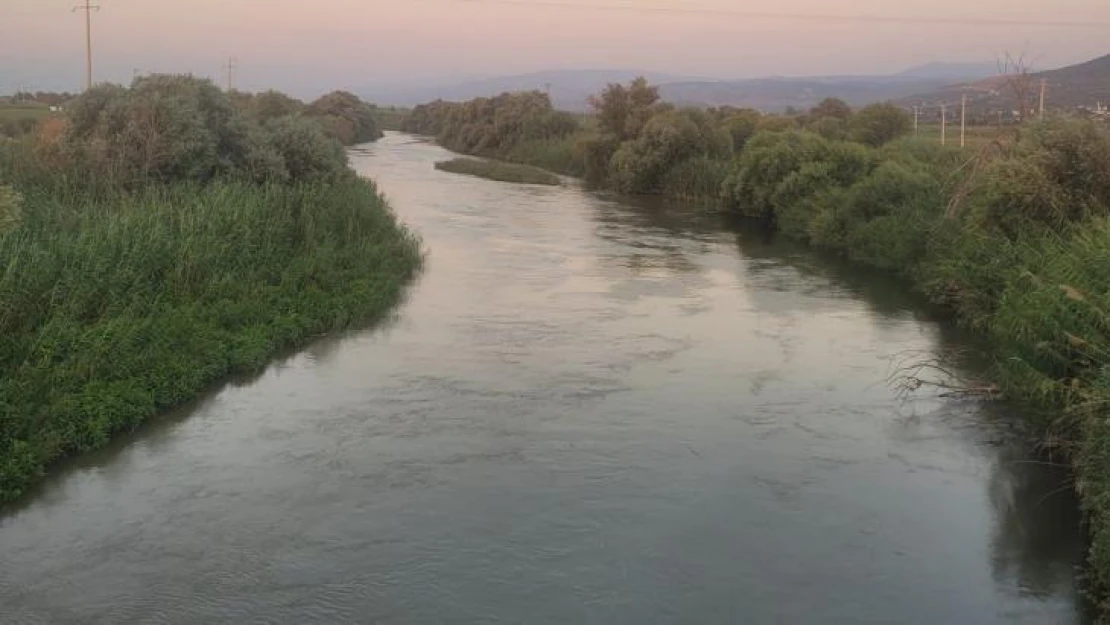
(587, 411)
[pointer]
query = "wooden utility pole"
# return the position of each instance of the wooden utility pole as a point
(1044, 85)
(944, 124)
(963, 120)
(916, 118)
(88, 7)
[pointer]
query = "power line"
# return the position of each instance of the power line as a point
(809, 17)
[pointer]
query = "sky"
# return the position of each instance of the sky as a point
(307, 47)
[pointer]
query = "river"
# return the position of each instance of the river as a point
(586, 411)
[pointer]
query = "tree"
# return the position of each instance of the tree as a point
(667, 139)
(831, 107)
(169, 128)
(346, 117)
(623, 111)
(742, 124)
(878, 124)
(272, 104)
(1018, 82)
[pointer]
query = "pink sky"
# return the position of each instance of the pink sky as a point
(305, 46)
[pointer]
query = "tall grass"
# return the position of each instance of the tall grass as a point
(559, 155)
(496, 170)
(113, 309)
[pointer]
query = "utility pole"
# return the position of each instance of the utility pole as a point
(916, 117)
(1044, 85)
(88, 7)
(232, 66)
(943, 124)
(963, 120)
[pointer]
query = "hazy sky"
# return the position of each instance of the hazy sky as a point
(305, 46)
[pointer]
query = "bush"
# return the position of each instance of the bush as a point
(492, 127)
(879, 124)
(178, 128)
(698, 179)
(346, 117)
(766, 164)
(306, 153)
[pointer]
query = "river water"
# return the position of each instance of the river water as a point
(587, 411)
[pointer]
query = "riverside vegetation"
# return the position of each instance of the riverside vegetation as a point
(159, 238)
(499, 171)
(1013, 238)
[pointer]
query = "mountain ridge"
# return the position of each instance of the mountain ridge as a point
(570, 89)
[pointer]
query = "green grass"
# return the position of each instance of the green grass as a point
(116, 309)
(496, 170)
(975, 137)
(17, 120)
(23, 111)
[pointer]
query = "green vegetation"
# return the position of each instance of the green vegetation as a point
(391, 117)
(496, 170)
(1011, 235)
(343, 115)
(511, 126)
(160, 239)
(18, 120)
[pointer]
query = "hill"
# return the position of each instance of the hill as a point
(776, 94)
(1067, 88)
(570, 88)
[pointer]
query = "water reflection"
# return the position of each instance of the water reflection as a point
(1037, 545)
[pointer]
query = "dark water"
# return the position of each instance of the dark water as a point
(587, 412)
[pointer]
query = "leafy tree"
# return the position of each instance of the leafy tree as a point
(167, 128)
(492, 127)
(878, 124)
(623, 111)
(831, 107)
(346, 117)
(741, 125)
(668, 138)
(270, 105)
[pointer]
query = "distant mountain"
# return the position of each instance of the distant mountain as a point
(569, 89)
(1067, 88)
(777, 94)
(951, 71)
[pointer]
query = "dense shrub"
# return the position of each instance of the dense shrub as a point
(180, 128)
(667, 139)
(346, 117)
(766, 163)
(493, 127)
(878, 124)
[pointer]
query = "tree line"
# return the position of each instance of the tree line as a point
(1012, 239)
